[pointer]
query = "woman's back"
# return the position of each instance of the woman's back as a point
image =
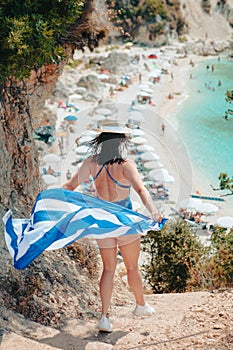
(110, 181)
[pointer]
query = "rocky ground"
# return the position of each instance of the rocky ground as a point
(67, 317)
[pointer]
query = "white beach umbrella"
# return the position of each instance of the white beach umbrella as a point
(138, 107)
(51, 158)
(161, 175)
(138, 140)
(137, 132)
(136, 116)
(148, 90)
(82, 150)
(143, 93)
(148, 156)
(75, 97)
(98, 117)
(49, 179)
(144, 86)
(154, 164)
(206, 208)
(145, 148)
(225, 221)
(190, 203)
(89, 133)
(104, 111)
(155, 73)
(85, 138)
(103, 76)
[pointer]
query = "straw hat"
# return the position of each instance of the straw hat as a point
(113, 126)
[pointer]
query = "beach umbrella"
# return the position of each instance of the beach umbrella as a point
(51, 158)
(104, 111)
(161, 175)
(49, 179)
(148, 90)
(103, 76)
(138, 140)
(128, 44)
(137, 132)
(98, 117)
(75, 97)
(206, 208)
(144, 86)
(138, 107)
(143, 93)
(155, 73)
(125, 77)
(136, 116)
(85, 138)
(148, 156)
(82, 150)
(190, 203)
(71, 118)
(89, 133)
(154, 164)
(225, 221)
(145, 148)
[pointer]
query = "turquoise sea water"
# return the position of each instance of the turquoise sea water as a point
(200, 119)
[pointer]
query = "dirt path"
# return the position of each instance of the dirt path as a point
(198, 320)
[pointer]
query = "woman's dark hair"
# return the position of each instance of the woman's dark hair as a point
(109, 147)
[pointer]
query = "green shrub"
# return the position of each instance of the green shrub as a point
(33, 33)
(221, 261)
(172, 254)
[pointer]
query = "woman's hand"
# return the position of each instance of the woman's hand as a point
(157, 216)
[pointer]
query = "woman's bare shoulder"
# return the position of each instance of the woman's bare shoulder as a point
(129, 164)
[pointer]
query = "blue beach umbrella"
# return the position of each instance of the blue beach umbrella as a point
(71, 118)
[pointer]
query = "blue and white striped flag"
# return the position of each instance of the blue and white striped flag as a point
(60, 217)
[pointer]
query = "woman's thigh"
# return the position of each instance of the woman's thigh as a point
(130, 251)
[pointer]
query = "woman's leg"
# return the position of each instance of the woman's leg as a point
(109, 258)
(130, 253)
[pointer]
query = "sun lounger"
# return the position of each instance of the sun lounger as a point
(207, 197)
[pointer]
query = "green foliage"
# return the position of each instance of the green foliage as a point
(158, 16)
(172, 252)
(225, 183)
(221, 261)
(178, 262)
(131, 15)
(32, 33)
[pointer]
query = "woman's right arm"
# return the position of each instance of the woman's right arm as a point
(79, 177)
(132, 175)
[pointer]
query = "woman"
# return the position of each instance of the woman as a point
(113, 176)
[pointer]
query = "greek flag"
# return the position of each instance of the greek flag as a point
(59, 217)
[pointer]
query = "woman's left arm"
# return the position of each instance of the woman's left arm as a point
(79, 177)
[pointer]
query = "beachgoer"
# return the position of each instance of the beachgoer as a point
(163, 129)
(140, 77)
(113, 175)
(60, 146)
(51, 171)
(68, 174)
(212, 68)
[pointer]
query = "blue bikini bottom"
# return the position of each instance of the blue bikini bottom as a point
(125, 203)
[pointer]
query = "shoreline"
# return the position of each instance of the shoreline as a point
(169, 108)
